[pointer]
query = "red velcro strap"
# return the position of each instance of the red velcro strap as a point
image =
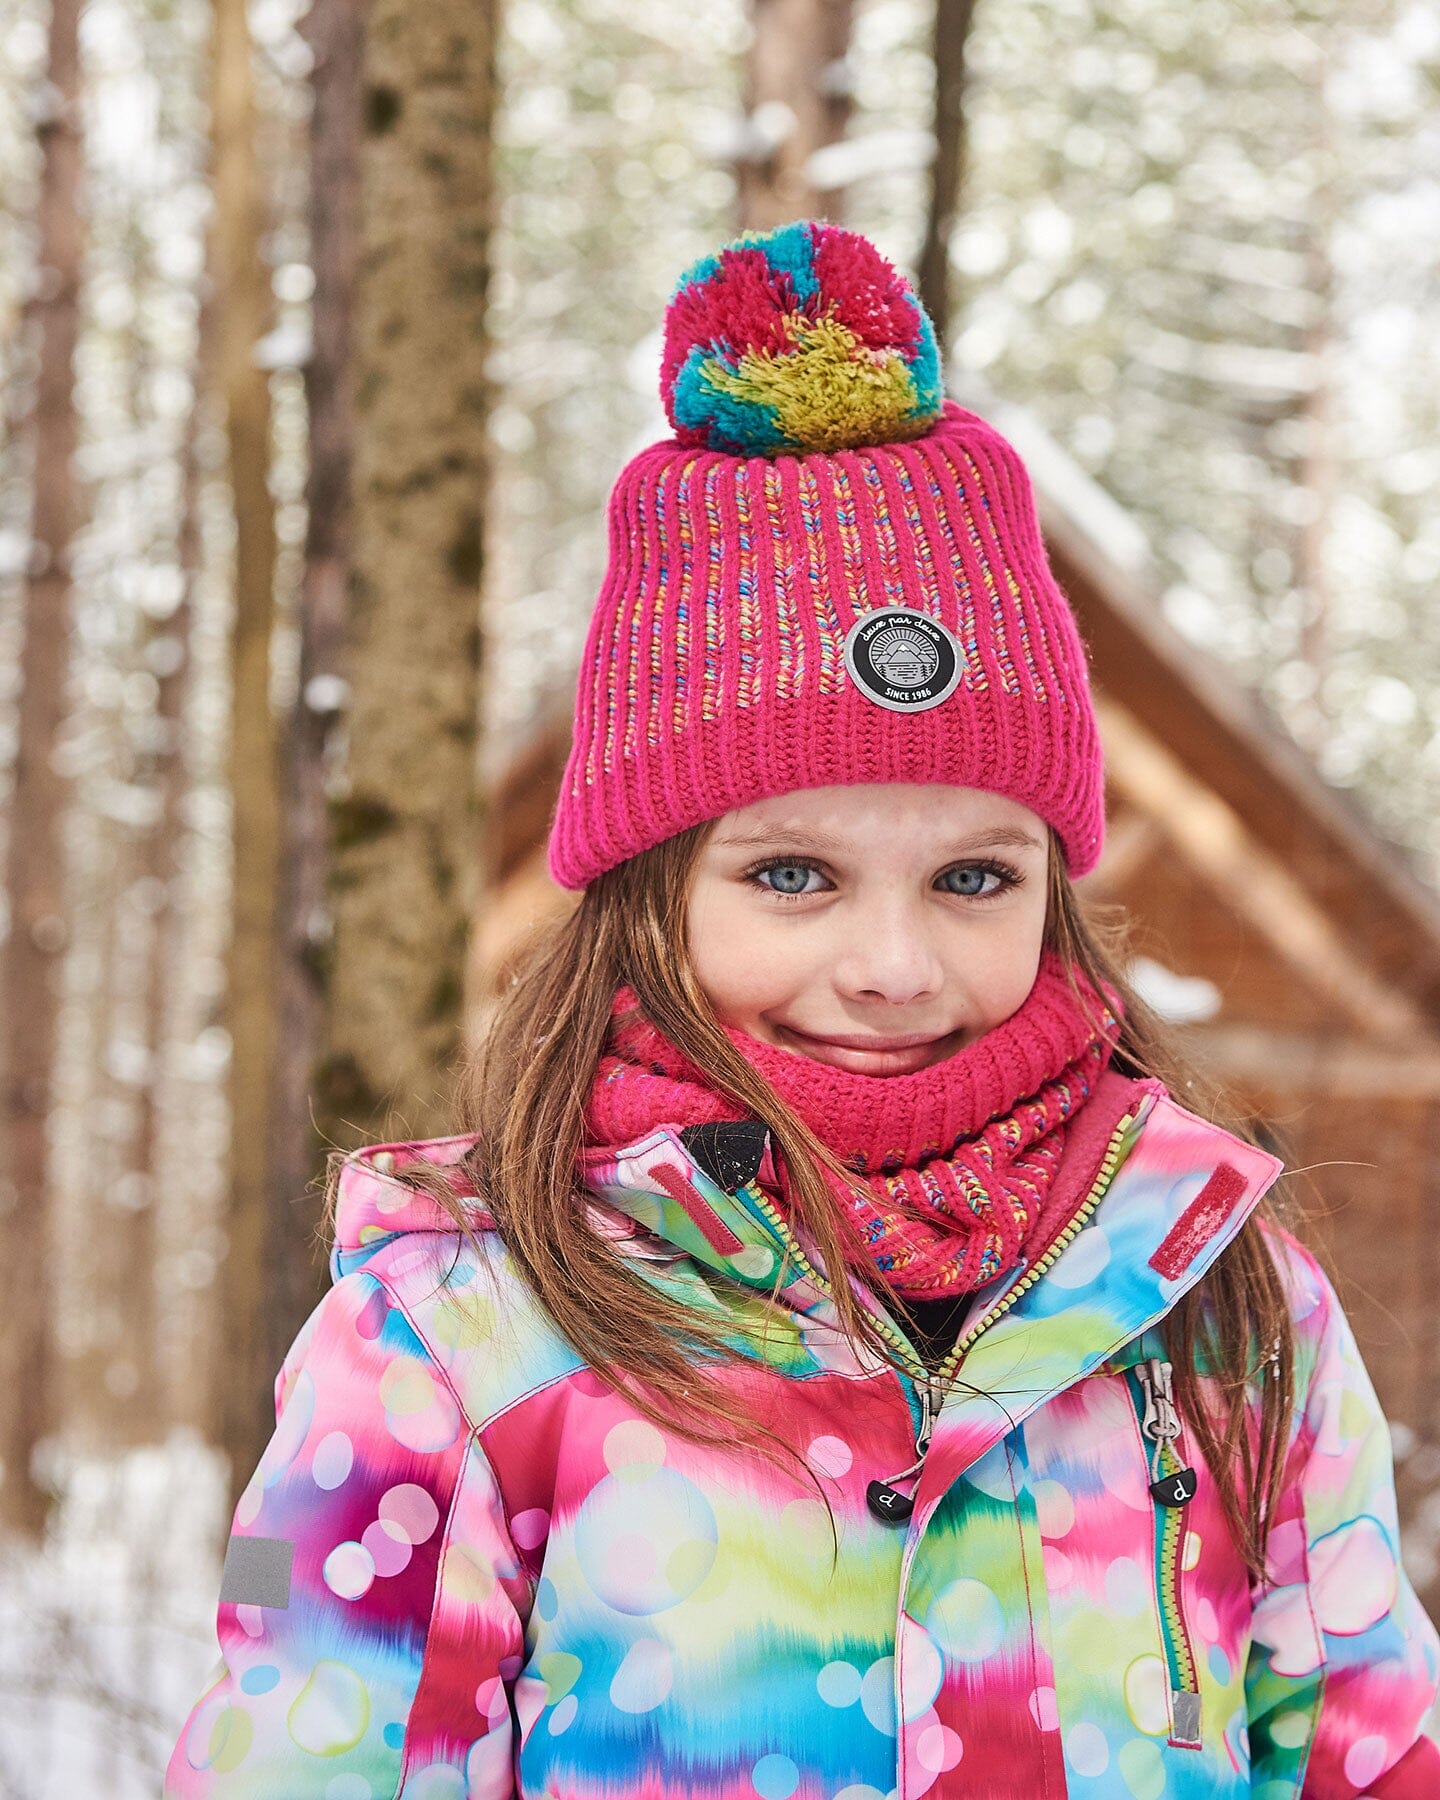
(1199, 1222)
(715, 1233)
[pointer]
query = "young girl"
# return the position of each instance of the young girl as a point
(835, 1364)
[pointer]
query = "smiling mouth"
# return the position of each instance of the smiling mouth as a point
(862, 1055)
(914, 1041)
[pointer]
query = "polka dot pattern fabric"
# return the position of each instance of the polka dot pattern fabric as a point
(504, 1581)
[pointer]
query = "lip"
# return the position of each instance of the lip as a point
(868, 1055)
(912, 1041)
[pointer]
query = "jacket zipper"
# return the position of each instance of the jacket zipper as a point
(937, 1383)
(883, 1498)
(1062, 1243)
(885, 1328)
(1171, 1485)
(930, 1388)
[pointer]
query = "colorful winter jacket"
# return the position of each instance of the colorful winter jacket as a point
(465, 1568)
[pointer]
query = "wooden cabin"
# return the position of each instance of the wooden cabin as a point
(1273, 918)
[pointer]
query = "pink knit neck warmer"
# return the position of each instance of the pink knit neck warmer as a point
(955, 1161)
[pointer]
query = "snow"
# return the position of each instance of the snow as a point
(1180, 998)
(107, 1634)
(848, 160)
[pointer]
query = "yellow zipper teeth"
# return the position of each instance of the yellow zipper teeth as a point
(1062, 1243)
(885, 1327)
(1169, 1551)
(1172, 1540)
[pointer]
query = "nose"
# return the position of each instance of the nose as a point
(886, 954)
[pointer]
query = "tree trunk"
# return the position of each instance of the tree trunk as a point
(244, 1404)
(334, 30)
(111, 1400)
(952, 30)
(171, 659)
(35, 876)
(404, 808)
(797, 100)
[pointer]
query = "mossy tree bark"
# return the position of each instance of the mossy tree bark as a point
(404, 810)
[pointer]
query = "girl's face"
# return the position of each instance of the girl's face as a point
(876, 928)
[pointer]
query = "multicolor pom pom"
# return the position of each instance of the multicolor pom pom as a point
(795, 340)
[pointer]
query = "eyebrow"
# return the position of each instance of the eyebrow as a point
(808, 838)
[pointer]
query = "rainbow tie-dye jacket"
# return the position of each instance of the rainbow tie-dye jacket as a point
(465, 1568)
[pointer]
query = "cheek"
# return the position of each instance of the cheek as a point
(1013, 992)
(742, 957)
(997, 970)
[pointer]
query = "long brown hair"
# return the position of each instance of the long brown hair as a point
(524, 1097)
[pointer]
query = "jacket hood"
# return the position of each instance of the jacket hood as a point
(373, 1201)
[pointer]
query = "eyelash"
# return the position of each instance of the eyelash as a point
(1009, 875)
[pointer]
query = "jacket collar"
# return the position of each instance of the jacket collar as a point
(680, 1188)
(1183, 1190)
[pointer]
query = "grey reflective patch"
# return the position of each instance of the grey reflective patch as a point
(257, 1571)
(1185, 1712)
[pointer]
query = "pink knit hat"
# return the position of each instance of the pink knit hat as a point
(830, 575)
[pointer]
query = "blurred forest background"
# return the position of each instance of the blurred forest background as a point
(322, 335)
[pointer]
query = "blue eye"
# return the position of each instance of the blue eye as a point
(790, 877)
(973, 876)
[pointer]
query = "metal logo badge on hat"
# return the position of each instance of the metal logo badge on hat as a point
(902, 659)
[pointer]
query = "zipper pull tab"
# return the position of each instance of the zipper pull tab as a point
(882, 1497)
(1176, 1489)
(927, 1419)
(1161, 1425)
(1144, 1374)
(888, 1503)
(1168, 1425)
